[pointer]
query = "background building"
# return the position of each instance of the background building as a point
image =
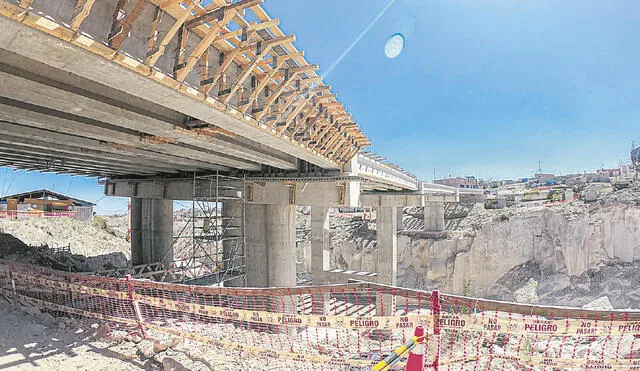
(44, 203)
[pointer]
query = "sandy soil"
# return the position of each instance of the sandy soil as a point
(30, 340)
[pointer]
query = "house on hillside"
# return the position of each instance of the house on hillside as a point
(44, 203)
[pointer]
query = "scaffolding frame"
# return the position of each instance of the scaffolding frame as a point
(214, 234)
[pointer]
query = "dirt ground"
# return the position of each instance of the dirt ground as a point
(30, 340)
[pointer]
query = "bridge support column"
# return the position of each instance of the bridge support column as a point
(270, 245)
(233, 247)
(151, 231)
(387, 261)
(434, 216)
(320, 255)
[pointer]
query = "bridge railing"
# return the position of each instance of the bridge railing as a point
(376, 169)
(332, 327)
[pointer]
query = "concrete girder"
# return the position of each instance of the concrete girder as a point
(107, 167)
(52, 51)
(312, 193)
(46, 125)
(170, 189)
(66, 152)
(28, 166)
(403, 200)
(60, 166)
(167, 122)
(23, 89)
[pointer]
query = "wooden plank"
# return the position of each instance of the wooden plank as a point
(280, 61)
(207, 84)
(153, 38)
(246, 72)
(302, 104)
(25, 4)
(181, 51)
(272, 98)
(80, 13)
(154, 55)
(122, 24)
(210, 37)
(251, 27)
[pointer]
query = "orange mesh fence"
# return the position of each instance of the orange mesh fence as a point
(349, 326)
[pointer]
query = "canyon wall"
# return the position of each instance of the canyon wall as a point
(574, 254)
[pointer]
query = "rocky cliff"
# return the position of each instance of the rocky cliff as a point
(572, 253)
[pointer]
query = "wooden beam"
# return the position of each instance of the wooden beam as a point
(204, 66)
(155, 54)
(287, 103)
(209, 16)
(157, 18)
(81, 11)
(283, 85)
(181, 51)
(280, 61)
(252, 27)
(303, 121)
(303, 103)
(229, 12)
(246, 72)
(332, 142)
(123, 22)
(207, 85)
(25, 4)
(321, 134)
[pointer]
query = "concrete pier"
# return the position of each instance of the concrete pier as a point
(320, 243)
(387, 261)
(434, 216)
(271, 250)
(232, 244)
(151, 230)
(281, 245)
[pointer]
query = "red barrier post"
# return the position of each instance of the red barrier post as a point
(435, 312)
(416, 355)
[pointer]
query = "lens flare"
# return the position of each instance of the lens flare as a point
(393, 47)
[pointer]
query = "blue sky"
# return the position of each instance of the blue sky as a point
(483, 88)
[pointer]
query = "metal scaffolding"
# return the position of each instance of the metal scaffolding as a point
(212, 241)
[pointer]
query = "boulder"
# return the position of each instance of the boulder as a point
(602, 303)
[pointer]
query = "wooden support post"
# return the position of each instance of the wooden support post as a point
(25, 4)
(278, 63)
(302, 103)
(153, 38)
(284, 84)
(228, 12)
(182, 47)
(81, 11)
(156, 53)
(123, 22)
(246, 72)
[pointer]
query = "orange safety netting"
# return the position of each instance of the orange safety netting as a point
(348, 326)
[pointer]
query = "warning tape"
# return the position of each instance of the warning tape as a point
(532, 325)
(291, 319)
(60, 285)
(261, 317)
(263, 352)
(258, 351)
(604, 364)
(63, 308)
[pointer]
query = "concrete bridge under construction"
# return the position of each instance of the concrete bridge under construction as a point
(164, 97)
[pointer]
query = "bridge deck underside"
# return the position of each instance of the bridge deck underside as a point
(82, 95)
